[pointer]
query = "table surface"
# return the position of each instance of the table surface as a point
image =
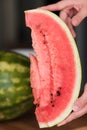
(28, 122)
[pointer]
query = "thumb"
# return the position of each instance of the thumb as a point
(77, 19)
(82, 101)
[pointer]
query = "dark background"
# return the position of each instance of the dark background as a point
(14, 34)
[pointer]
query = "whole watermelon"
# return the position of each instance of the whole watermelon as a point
(15, 91)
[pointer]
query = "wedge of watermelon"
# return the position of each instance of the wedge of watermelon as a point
(55, 70)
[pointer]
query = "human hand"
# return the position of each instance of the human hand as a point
(71, 11)
(79, 108)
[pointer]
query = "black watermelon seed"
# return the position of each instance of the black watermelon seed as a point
(52, 105)
(58, 93)
(51, 94)
(51, 101)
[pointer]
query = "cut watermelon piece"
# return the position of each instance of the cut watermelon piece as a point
(56, 68)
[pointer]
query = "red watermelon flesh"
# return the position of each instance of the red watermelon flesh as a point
(55, 69)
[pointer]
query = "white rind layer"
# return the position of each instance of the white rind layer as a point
(77, 85)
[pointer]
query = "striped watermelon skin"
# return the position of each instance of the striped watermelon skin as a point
(15, 91)
(15, 111)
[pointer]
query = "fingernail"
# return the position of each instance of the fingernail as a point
(61, 124)
(75, 108)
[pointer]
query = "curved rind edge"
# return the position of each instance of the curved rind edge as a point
(78, 69)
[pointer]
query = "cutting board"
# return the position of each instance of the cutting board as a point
(28, 122)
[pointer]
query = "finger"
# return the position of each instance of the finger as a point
(71, 27)
(77, 19)
(85, 89)
(59, 5)
(82, 101)
(63, 15)
(67, 20)
(68, 12)
(74, 115)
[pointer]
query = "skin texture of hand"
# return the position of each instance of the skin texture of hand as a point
(79, 108)
(71, 11)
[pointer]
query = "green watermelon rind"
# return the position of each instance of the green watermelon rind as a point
(16, 111)
(78, 68)
(14, 90)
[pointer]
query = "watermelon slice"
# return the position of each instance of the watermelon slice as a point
(55, 69)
